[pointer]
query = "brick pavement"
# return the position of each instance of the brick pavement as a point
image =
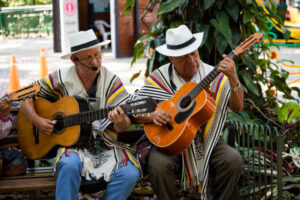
(28, 58)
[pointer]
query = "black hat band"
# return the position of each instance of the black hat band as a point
(180, 46)
(85, 45)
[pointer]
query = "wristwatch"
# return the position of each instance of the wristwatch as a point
(236, 88)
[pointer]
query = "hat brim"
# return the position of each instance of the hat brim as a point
(67, 55)
(183, 51)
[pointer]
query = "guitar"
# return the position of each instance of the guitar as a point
(190, 108)
(23, 93)
(73, 123)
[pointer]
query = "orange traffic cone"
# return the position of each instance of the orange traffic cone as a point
(14, 82)
(43, 64)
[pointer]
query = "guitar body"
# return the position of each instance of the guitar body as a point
(184, 122)
(35, 144)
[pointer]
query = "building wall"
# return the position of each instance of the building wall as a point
(125, 31)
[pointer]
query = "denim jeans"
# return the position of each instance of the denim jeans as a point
(122, 181)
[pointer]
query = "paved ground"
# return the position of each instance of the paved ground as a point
(27, 53)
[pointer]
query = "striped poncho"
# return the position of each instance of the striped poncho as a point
(110, 91)
(161, 85)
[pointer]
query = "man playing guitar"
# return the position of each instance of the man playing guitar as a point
(210, 152)
(101, 158)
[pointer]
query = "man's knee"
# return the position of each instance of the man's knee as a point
(234, 162)
(132, 174)
(159, 163)
(128, 174)
(70, 164)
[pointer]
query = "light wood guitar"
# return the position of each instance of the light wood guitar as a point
(73, 126)
(190, 108)
(30, 91)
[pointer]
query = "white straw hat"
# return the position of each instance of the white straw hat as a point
(83, 40)
(180, 41)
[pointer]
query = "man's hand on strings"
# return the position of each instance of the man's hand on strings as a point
(227, 66)
(160, 117)
(120, 119)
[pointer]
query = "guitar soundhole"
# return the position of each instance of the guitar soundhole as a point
(185, 102)
(59, 124)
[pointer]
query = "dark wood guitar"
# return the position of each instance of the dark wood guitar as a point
(190, 108)
(73, 126)
(30, 91)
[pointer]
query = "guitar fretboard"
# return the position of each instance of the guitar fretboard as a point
(208, 79)
(88, 116)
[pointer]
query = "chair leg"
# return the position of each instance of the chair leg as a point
(105, 38)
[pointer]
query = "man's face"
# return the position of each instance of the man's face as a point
(186, 65)
(88, 58)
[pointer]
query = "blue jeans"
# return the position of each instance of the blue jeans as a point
(122, 181)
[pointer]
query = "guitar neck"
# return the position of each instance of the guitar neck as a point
(209, 78)
(88, 116)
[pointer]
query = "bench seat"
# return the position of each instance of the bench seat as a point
(30, 181)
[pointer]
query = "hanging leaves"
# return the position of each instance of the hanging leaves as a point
(169, 6)
(128, 6)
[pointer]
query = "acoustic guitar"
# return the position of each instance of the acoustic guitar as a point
(30, 91)
(73, 123)
(190, 108)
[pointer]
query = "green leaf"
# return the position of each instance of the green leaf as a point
(249, 82)
(169, 6)
(218, 4)
(204, 29)
(262, 25)
(246, 16)
(233, 10)
(288, 112)
(286, 33)
(156, 28)
(208, 3)
(221, 43)
(134, 76)
(209, 42)
(249, 62)
(291, 186)
(128, 6)
(291, 179)
(236, 36)
(175, 24)
(222, 25)
(138, 52)
(151, 62)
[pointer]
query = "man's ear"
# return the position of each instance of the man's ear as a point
(171, 58)
(73, 59)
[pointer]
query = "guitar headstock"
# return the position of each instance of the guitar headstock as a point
(249, 42)
(139, 106)
(30, 91)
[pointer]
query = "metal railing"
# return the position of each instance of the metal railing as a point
(261, 147)
(26, 20)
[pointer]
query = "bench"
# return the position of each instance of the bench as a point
(34, 180)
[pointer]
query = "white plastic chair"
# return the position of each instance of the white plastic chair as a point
(100, 25)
